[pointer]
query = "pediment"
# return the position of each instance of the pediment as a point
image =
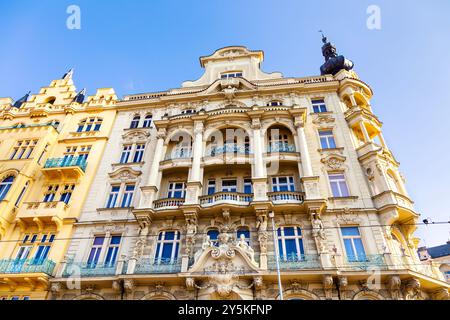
(136, 135)
(125, 174)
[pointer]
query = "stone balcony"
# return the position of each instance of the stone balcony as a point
(392, 198)
(168, 203)
(236, 198)
(283, 197)
(45, 211)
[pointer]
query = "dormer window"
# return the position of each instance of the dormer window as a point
(275, 103)
(233, 74)
(187, 111)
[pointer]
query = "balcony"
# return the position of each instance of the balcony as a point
(57, 168)
(282, 197)
(374, 261)
(280, 148)
(145, 266)
(229, 149)
(295, 262)
(236, 198)
(168, 203)
(74, 269)
(179, 154)
(42, 210)
(14, 266)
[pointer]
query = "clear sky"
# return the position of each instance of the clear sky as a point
(142, 46)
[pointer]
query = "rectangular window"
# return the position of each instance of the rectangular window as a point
(51, 193)
(327, 139)
(319, 106)
(290, 244)
(248, 186)
(211, 187)
(139, 153)
(67, 193)
(96, 249)
(281, 184)
(128, 196)
(228, 75)
(113, 195)
(338, 185)
(126, 151)
(113, 250)
(43, 249)
(167, 247)
(177, 190)
(229, 185)
(353, 244)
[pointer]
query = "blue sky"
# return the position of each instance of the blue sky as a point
(136, 46)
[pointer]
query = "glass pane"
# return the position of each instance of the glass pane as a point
(289, 232)
(344, 189)
(213, 234)
(350, 231)
(170, 235)
(98, 241)
(116, 239)
(167, 251)
(291, 249)
(359, 249)
(335, 189)
(349, 249)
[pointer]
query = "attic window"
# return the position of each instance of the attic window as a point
(274, 103)
(187, 111)
(234, 74)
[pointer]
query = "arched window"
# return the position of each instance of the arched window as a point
(90, 124)
(167, 247)
(147, 121)
(214, 236)
(5, 185)
(245, 232)
(135, 122)
(290, 244)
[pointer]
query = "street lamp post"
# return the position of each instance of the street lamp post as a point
(277, 254)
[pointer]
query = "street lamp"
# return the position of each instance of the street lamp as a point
(277, 254)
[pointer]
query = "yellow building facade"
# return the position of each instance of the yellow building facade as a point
(51, 144)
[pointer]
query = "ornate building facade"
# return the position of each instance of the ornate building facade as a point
(208, 190)
(50, 146)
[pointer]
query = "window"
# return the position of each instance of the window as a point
(280, 184)
(338, 185)
(167, 247)
(327, 139)
(23, 149)
(248, 186)
(319, 106)
(187, 111)
(278, 142)
(113, 250)
(66, 194)
(128, 196)
(22, 193)
(290, 243)
(214, 236)
(139, 153)
(392, 182)
(229, 185)
(274, 103)
(96, 249)
(353, 244)
(234, 74)
(90, 124)
(83, 153)
(177, 190)
(135, 122)
(51, 193)
(243, 231)
(5, 185)
(148, 121)
(211, 187)
(113, 196)
(43, 249)
(126, 151)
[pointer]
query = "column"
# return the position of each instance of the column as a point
(364, 131)
(259, 178)
(194, 185)
(151, 188)
(304, 152)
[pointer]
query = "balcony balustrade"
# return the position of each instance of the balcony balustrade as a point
(68, 167)
(295, 262)
(42, 210)
(280, 147)
(168, 203)
(365, 262)
(15, 266)
(146, 266)
(226, 197)
(179, 154)
(286, 196)
(74, 269)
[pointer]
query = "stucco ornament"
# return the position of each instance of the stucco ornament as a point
(318, 232)
(412, 290)
(334, 161)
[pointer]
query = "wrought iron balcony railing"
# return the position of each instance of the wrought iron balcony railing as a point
(66, 162)
(295, 262)
(146, 266)
(280, 147)
(243, 198)
(179, 154)
(229, 149)
(83, 269)
(364, 262)
(14, 266)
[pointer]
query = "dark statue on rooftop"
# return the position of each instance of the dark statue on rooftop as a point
(333, 62)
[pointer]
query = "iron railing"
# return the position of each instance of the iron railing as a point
(280, 147)
(14, 266)
(66, 162)
(295, 262)
(229, 148)
(84, 269)
(364, 262)
(179, 154)
(146, 266)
